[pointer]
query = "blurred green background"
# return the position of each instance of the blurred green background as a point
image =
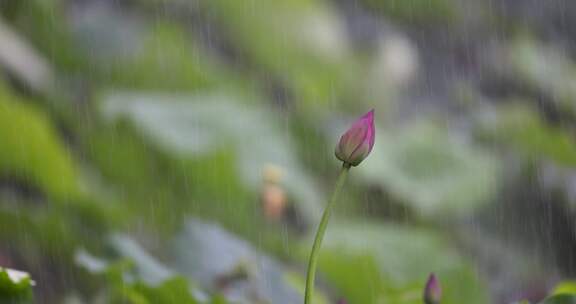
(181, 151)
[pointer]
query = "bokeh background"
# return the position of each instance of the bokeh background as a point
(181, 151)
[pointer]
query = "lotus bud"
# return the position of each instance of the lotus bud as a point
(432, 291)
(357, 142)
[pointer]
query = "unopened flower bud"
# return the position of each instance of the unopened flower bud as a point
(432, 291)
(357, 142)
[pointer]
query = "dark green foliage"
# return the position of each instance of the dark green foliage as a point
(165, 111)
(560, 299)
(15, 290)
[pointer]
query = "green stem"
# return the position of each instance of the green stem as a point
(313, 261)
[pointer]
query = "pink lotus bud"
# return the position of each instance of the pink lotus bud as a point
(432, 291)
(357, 142)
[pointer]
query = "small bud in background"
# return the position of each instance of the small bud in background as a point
(274, 200)
(273, 196)
(357, 142)
(432, 291)
(341, 301)
(272, 173)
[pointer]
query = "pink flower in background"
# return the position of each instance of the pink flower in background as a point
(357, 142)
(432, 291)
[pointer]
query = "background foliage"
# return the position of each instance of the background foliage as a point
(181, 151)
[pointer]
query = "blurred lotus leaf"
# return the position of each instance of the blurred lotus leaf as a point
(417, 11)
(44, 23)
(22, 61)
(567, 287)
(523, 129)
(203, 253)
(188, 125)
(162, 58)
(147, 268)
(560, 299)
(390, 264)
(31, 150)
(220, 260)
(547, 68)
(15, 287)
(302, 42)
(138, 278)
(435, 173)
